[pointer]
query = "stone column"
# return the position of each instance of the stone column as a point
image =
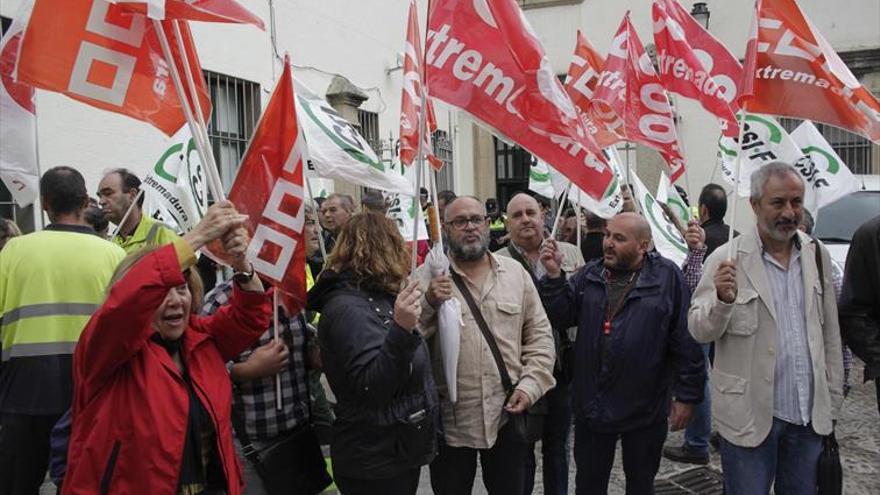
(346, 98)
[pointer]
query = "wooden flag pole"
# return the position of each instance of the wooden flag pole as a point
(216, 191)
(739, 155)
(213, 171)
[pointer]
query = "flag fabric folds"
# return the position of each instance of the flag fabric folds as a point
(630, 99)
(19, 169)
(176, 191)
(336, 150)
(411, 98)
(791, 70)
(580, 83)
(108, 57)
(228, 11)
(665, 235)
(695, 65)
(483, 58)
(269, 189)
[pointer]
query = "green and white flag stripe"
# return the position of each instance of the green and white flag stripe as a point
(175, 190)
(667, 239)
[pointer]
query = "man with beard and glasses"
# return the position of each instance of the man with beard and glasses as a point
(637, 371)
(477, 423)
(777, 378)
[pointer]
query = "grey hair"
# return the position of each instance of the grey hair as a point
(345, 201)
(773, 169)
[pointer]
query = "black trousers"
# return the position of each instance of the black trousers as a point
(454, 468)
(403, 484)
(24, 452)
(594, 457)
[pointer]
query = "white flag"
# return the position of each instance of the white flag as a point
(539, 178)
(668, 195)
(764, 141)
(402, 207)
(827, 177)
(611, 203)
(667, 239)
(19, 169)
(337, 151)
(175, 191)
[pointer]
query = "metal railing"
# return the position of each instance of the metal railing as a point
(236, 110)
(859, 154)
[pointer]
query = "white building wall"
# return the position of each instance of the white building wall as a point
(361, 40)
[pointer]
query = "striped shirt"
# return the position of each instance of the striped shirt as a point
(793, 384)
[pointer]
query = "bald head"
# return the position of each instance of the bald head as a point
(634, 224)
(523, 200)
(462, 203)
(627, 239)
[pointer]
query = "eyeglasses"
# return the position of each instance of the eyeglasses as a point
(462, 223)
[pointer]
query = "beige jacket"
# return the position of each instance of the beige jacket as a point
(745, 339)
(512, 309)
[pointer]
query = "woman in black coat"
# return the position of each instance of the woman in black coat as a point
(375, 360)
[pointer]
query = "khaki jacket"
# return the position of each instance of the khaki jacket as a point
(513, 310)
(745, 339)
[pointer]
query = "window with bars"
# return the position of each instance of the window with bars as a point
(236, 110)
(511, 170)
(368, 123)
(858, 153)
(442, 148)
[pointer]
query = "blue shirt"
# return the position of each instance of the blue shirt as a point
(793, 384)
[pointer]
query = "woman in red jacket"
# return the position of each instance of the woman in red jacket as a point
(152, 398)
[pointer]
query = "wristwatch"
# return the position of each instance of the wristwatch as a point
(242, 278)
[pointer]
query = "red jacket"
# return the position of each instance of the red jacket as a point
(130, 401)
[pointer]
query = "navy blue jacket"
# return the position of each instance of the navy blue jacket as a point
(652, 354)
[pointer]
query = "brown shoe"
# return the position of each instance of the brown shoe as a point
(685, 455)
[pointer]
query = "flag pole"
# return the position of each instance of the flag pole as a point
(127, 213)
(739, 155)
(278, 404)
(213, 171)
(218, 193)
(420, 162)
(577, 216)
(559, 209)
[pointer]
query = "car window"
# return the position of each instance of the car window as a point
(838, 221)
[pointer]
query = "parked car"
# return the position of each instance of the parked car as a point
(836, 223)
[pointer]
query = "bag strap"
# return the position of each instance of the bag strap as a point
(484, 328)
(247, 446)
(516, 255)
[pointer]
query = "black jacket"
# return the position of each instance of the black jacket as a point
(652, 354)
(717, 233)
(386, 414)
(860, 298)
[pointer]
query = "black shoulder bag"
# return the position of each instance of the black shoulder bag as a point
(527, 427)
(292, 465)
(829, 473)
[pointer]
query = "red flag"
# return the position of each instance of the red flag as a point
(411, 98)
(102, 55)
(693, 64)
(583, 75)
(269, 190)
(629, 96)
(193, 10)
(791, 70)
(483, 58)
(19, 170)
